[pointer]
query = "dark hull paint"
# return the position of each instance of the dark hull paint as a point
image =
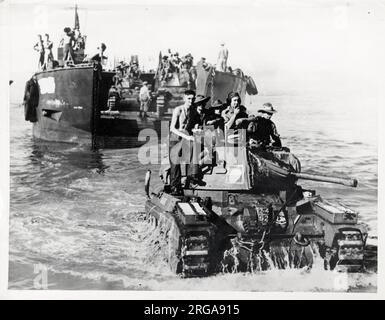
(65, 108)
(69, 110)
(217, 84)
(72, 98)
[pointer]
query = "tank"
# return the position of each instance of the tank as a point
(251, 214)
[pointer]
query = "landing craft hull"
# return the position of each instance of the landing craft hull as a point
(218, 85)
(72, 101)
(70, 105)
(65, 109)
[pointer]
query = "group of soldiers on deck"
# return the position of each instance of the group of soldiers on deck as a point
(71, 42)
(172, 65)
(193, 117)
(129, 71)
(44, 48)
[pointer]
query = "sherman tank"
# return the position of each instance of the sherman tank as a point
(250, 213)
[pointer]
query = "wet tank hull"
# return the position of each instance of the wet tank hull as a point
(231, 224)
(202, 244)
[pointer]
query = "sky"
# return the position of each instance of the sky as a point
(293, 46)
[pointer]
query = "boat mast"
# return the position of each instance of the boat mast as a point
(77, 24)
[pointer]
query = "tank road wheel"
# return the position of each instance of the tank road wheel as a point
(153, 223)
(301, 252)
(349, 248)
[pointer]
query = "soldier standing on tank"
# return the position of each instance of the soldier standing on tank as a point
(261, 130)
(180, 140)
(195, 125)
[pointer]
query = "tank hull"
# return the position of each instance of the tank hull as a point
(237, 237)
(260, 218)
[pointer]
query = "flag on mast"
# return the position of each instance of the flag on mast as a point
(77, 24)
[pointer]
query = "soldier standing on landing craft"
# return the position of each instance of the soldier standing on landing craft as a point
(144, 99)
(39, 47)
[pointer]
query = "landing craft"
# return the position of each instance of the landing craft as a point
(73, 98)
(251, 215)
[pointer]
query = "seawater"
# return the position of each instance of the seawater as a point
(79, 213)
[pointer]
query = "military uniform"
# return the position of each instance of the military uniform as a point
(263, 130)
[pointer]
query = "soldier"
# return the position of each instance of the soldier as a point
(144, 98)
(222, 58)
(188, 61)
(39, 47)
(262, 130)
(213, 115)
(195, 123)
(48, 55)
(31, 99)
(100, 57)
(113, 98)
(179, 138)
(235, 114)
(67, 42)
(165, 68)
(176, 61)
(79, 40)
(202, 63)
(197, 114)
(134, 71)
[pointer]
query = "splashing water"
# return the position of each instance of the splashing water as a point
(79, 213)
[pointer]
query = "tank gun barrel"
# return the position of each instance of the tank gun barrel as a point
(350, 182)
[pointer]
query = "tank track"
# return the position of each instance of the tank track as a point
(196, 245)
(190, 242)
(350, 251)
(201, 242)
(195, 252)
